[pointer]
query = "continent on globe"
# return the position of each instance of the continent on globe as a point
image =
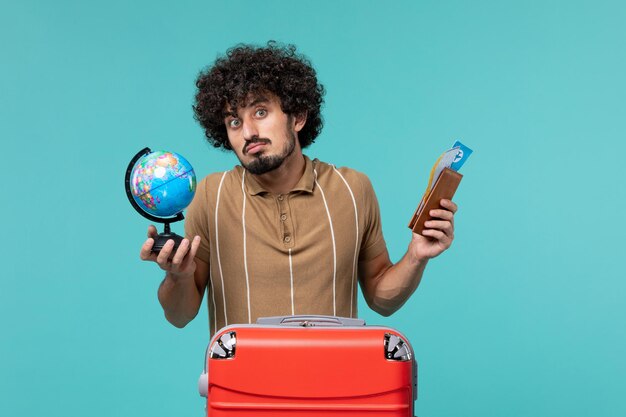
(162, 183)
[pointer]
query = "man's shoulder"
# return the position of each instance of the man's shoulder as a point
(332, 172)
(213, 181)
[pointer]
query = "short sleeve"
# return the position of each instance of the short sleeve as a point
(197, 220)
(373, 242)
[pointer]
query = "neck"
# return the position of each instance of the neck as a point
(285, 177)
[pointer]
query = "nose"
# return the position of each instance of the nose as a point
(249, 130)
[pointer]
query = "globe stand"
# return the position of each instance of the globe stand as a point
(161, 239)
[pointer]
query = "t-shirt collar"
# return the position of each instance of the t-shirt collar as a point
(305, 183)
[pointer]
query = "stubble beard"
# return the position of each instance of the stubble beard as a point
(263, 164)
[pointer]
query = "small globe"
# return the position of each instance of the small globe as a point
(162, 183)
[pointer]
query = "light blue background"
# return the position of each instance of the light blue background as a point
(524, 316)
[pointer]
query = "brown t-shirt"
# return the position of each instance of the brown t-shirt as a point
(295, 253)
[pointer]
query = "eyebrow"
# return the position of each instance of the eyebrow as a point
(258, 100)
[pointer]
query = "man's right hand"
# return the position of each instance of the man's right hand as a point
(179, 264)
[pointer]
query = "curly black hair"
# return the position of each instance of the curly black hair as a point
(247, 70)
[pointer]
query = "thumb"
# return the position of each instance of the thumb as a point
(152, 231)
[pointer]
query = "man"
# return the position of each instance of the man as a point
(281, 234)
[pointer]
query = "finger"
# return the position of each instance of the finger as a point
(179, 256)
(152, 231)
(165, 254)
(191, 254)
(448, 204)
(437, 235)
(146, 251)
(195, 244)
(444, 226)
(442, 214)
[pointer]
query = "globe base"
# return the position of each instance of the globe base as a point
(161, 239)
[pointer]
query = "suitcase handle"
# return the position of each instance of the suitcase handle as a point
(310, 321)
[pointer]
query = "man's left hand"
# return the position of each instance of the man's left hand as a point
(438, 233)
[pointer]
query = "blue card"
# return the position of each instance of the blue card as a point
(462, 155)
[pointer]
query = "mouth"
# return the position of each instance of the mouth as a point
(252, 148)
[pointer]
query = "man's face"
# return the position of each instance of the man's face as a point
(261, 134)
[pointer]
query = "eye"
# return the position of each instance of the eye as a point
(234, 123)
(261, 113)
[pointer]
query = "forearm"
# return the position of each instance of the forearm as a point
(393, 287)
(180, 299)
(387, 286)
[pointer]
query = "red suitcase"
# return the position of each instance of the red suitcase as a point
(309, 366)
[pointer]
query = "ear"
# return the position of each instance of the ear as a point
(299, 121)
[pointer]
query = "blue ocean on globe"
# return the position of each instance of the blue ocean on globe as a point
(163, 183)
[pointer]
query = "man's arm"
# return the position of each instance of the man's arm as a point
(186, 277)
(387, 286)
